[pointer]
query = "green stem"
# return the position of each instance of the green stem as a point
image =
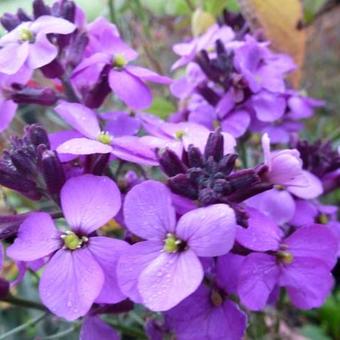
(23, 326)
(127, 330)
(23, 303)
(61, 334)
(112, 11)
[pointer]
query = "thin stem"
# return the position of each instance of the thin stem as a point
(62, 333)
(69, 90)
(23, 303)
(138, 334)
(23, 326)
(190, 5)
(112, 12)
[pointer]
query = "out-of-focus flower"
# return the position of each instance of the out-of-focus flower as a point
(30, 44)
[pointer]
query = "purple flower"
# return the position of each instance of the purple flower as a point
(93, 328)
(7, 106)
(81, 268)
(165, 268)
(208, 313)
(29, 43)
(188, 51)
(126, 81)
(261, 68)
(178, 136)
(300, 262)
(85, 121)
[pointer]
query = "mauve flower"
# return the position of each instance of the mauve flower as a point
(165, 268)
(85, 121)
(178, 136)
(262, 69)
(208, 313)
(93, 328)
(187, 51)
(301, 263)
(80, 261)
(29, 44)
(7, 106)
(286, 173)
(126, 81)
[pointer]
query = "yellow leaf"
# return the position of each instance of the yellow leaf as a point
(201, 21)
(279, 21)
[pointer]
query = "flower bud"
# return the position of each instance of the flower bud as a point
(4, 288)
(170, 163)
(37, 135)
(214, 147)
(9, 21)
(181, 185)
(28, 95)
(40, 9)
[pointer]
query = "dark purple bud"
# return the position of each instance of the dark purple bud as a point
(23, 16)
(214, 147)
(100, 164)
(243, 179)
(170, 163)
(208, 94)
(68, 10)
(37, 135)
(181, 185)
(242, 195)
(94, 97)
(53, 70)
(9, 225)
(51, 169)
(40, 9)
(223, 187)
(227, 163)
(24, 162)
(195, 157)
(18, 182)
(4, 288)
(9, 21)
(207, 196)
(76, 49)
(121, 307)
(28, 95)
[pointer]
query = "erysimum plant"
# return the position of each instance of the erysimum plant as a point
(131, 225)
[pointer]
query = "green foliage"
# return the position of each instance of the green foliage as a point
(161, 107)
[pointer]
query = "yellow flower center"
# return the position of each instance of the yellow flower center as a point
(285, 257)
(171, 243)
(73, 241)
(119, 61)
(104, 137)
(26, 34)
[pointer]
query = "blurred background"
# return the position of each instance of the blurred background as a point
(308, 30)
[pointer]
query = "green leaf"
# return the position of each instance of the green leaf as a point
(215, 7)
(161, 107)
(313, 332)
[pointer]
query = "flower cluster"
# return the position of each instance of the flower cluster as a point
(207, 228)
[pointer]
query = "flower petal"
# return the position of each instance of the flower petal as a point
(169, 279)
(7, 109)
(50, 24)
(93, 328)
(41, 52)
(131, 264)
(148, 75)
(88, 202)
(209, 231)
(133, 149)
(83, 146)
(37, 237)
(311, 190)
(315, 242)
(80, 118)
(70, 283)
(148, 210)
(10, 65)
(258, 276)
(106, 252)
(130, 89)
(262, 233)
(268, 106)
(308, 282)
